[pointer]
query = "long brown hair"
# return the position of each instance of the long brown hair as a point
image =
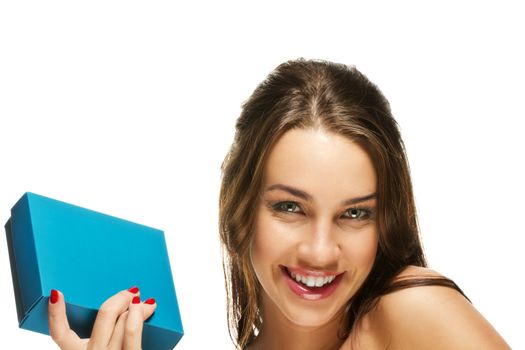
(338, 98)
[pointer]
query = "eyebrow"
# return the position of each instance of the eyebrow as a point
(303, 195)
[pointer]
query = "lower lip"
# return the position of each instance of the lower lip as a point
(311, 293)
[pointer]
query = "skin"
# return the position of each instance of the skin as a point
(118, 325)
(430, 317)
(316, 234)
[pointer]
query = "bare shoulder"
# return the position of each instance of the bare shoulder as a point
(432, 317)
(417, 271)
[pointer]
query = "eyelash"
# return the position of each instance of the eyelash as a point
(280, 207)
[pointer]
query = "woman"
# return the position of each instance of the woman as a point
(319, 230)
(319, 227)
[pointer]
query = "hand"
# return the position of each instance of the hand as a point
(118, 325)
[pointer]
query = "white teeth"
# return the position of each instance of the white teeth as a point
(312, 281)
(319, 281)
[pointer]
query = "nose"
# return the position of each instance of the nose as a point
(319, 248)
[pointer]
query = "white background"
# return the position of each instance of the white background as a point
(129, 107)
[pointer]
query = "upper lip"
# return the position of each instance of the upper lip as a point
(307, 272)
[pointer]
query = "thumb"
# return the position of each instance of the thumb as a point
(59, 329)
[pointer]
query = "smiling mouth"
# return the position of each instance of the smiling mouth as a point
(311, 286)
(311, 281)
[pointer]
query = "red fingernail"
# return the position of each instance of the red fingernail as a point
(136, 300)
(54, 296)
(150, 301)
(133, 290)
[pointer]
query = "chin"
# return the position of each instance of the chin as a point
(314, 316)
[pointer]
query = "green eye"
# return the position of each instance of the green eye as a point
(357, 213)
(287, 207)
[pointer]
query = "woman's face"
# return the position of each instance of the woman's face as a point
(315, 223)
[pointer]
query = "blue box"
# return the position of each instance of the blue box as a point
(88, 256)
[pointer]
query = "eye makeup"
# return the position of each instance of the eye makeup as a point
(357, 213)
(287, 206)
(286, 209)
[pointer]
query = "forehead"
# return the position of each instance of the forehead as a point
(320, 161)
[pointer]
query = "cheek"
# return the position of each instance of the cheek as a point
(266, 243)
(273, 243)
(361, 249)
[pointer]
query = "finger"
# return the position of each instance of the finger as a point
(59, 329)
(138, 313)
(148, 307)
(107, 317)
(133, 328)
(117, 338)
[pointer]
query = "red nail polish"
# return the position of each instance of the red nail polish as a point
(54, 296)
(133, 290)
(136, 300)
(150, 301)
